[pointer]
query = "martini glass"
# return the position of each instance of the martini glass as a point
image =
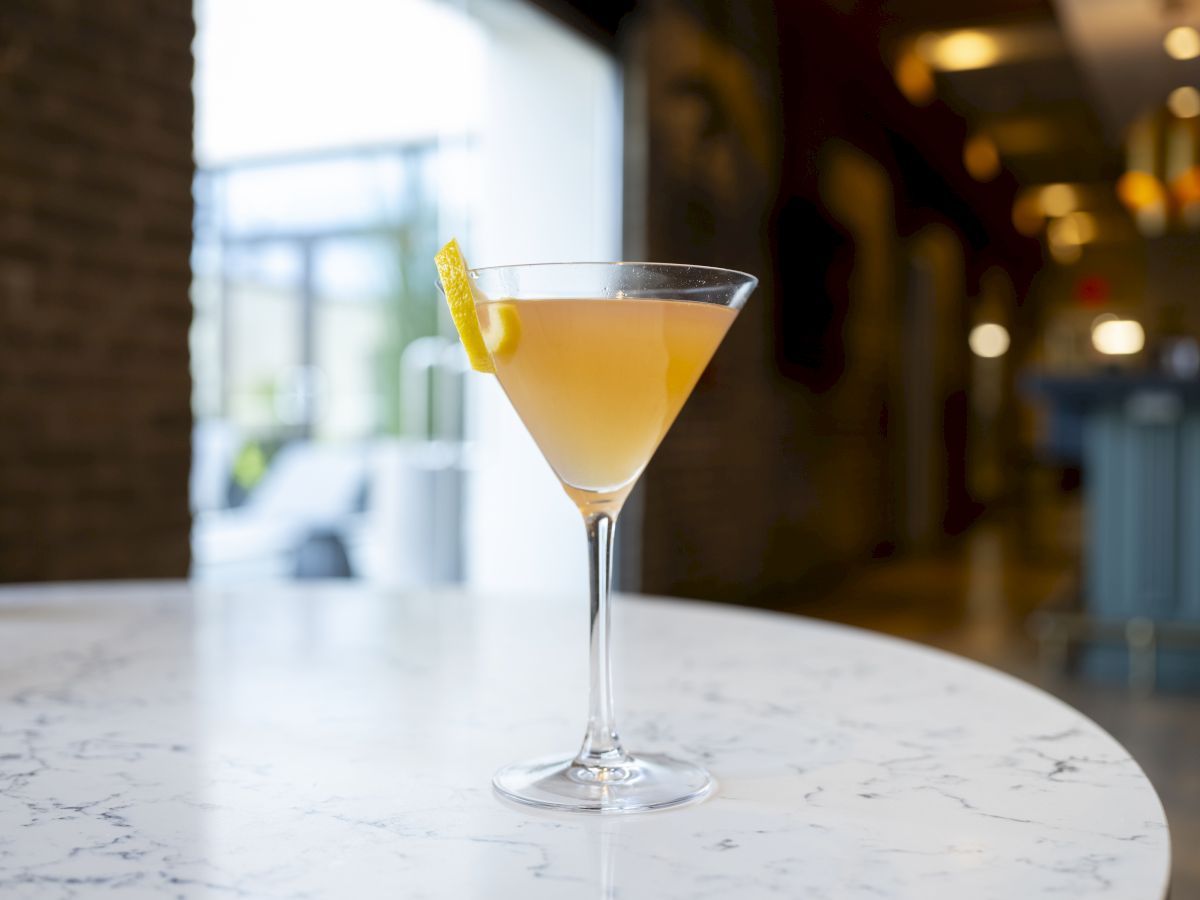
(597, 360)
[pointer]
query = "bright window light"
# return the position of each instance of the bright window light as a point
(338, 144)
(282, 76)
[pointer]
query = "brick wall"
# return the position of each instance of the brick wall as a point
(95, 235)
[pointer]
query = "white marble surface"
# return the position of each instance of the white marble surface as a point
(337, 742)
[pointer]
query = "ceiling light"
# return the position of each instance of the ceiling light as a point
(1184, 102)
(1117, 337)
(1058, 199)
(988, 340)
(1182, 43)
(957, 51)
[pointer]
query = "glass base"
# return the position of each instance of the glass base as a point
(639, 784)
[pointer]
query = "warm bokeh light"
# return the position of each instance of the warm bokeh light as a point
(1142, 139)
(1186, 187)
(1065, 254)
(1140, 190)
(1151, 220)
(1074, 228)
(1184, 102)
(1027, 215)
(1117, 337)
(1085, 222)
(1182, 42)
(1064, 231)
(1058, 199)
(914, 78)
(981, 158)
(988, 340)
(957, 51)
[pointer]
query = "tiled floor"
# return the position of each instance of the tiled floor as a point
(975, 599)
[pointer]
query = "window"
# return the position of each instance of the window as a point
(337, 432)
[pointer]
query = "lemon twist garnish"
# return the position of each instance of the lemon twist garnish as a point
(456, 283)
(501, 328)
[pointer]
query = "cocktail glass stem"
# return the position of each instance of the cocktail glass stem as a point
(601, 750)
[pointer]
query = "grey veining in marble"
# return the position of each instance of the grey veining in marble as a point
(334, 742)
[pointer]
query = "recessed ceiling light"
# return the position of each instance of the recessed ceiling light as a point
(1182, 42)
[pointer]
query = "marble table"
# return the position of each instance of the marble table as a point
(160, 740)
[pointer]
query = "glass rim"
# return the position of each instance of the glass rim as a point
(745, 276)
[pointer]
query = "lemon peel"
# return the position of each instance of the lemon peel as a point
(501, 328)
(460, 297)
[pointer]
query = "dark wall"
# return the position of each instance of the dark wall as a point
(95, 237)
(707, 115)
(770, 138)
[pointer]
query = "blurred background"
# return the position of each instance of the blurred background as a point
(963, 406)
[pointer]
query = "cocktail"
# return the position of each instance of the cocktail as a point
(597, 360)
